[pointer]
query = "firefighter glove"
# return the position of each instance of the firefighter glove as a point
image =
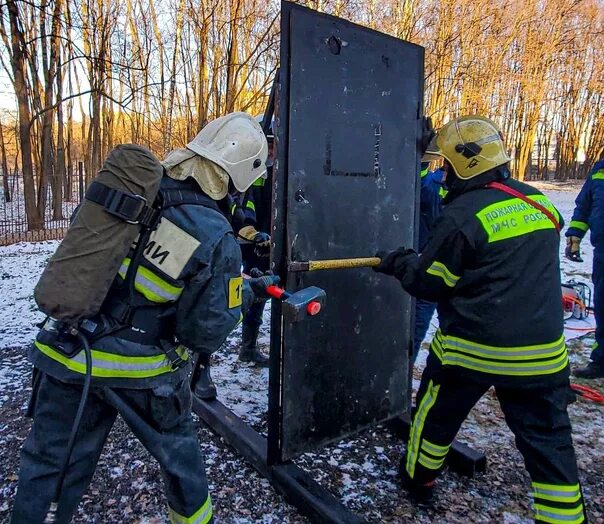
(394, 262)
(573, 249)
(261, 241)
(260, 282)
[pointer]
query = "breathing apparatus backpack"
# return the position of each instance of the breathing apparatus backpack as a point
(121, 203)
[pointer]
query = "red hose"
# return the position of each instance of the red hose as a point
(588, 393)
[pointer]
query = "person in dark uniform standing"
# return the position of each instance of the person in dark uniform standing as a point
(255, 204)
(495, 236)
(187, 300)
(432, 192)
(589, 215)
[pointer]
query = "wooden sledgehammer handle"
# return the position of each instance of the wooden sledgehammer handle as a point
(341, 263)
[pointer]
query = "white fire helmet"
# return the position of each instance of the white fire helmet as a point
(237, 144)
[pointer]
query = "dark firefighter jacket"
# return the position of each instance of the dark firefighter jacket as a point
(188, 295)
(256, 204)
(589, 210)
(492, 265)
(431, 197)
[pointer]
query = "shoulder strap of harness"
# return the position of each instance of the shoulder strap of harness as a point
(180, 197)
(129, 207)
(167, 198)
(133, 209)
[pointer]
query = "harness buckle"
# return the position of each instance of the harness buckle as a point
(122, 313)
(176, 361)
(126, 206)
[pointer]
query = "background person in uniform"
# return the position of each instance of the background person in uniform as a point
(493, 330)
(255, 204)
(589, 214)
(141, 371)
(432, 192)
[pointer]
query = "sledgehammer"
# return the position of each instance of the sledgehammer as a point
(340, 263)
(298, 305)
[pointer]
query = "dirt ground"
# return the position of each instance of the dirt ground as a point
(127, 485)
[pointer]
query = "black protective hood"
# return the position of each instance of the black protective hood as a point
(456, 186)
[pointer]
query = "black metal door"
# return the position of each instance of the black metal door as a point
(349, 108)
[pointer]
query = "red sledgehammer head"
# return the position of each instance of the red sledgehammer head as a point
(313, 308)
(301, 304)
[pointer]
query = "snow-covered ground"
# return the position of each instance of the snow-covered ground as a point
(20, 267)
(360, 471)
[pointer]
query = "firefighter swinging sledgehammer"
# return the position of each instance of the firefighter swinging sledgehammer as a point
(493, 330)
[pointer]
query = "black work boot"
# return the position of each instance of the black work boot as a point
(420, 493)
(592, 370)
(249, 351)
(204, 387)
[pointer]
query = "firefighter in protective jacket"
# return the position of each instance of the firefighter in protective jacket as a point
(494, 331)
(589, 214)
(255, 204)
(189, 295)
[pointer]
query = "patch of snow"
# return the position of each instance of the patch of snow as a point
(20, 268)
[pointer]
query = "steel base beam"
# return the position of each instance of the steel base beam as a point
(295, 484)
(461, 458)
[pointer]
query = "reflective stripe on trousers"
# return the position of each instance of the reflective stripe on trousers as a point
(417, 427)
(558, 503)
(110, 365)
(202, 516)
(432, 456)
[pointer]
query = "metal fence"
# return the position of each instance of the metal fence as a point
(13, 217)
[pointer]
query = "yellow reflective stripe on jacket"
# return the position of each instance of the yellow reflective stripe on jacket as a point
(539, 359)
(554, 515)
(424, 172)
(250, 205)
(442, 192)
(259, 182)
(201, 516)
(417, 427)
(577, 224)
(438, 269)
(556, 492)
(436, 346)
(151, 286)
(598, 175)
(514, 217)
(110, 365)
(514, 353)
(507, 368)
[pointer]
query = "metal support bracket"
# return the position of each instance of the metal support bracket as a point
(461, 458)
(295, 484)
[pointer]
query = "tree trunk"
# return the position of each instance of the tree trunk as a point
(5, 171)
(60, 164)
(34, 218)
